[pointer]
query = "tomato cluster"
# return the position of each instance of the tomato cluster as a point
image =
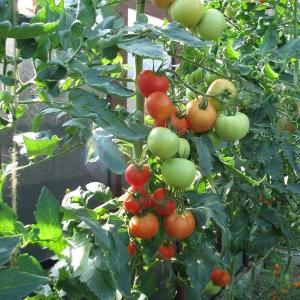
(147, 208)
(208, 24)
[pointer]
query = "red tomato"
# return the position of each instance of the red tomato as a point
(167, 251)
(163, 206)
(220, 277)
(160, 123)
(137, 176)
(180, 226)
(159, 106)
(148, 83)
(135, 199)
(179, 124)
(144, 227)
(131, 248)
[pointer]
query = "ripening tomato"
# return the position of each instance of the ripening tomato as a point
(148, 82)
(219, 87)
(135, 199)
(144, 227)
(200, 120)
(163, 142)
(159, 106)
(179, 226)
(178, 172)
(160, 123)
(232, 128)
(131, 248)
(187, 13)
(220, 277)
(212, 25)
(167, 251)
(163, 206)
(137, 176)
(179, 124)
(164, 4)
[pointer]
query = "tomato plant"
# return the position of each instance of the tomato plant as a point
(241, 86)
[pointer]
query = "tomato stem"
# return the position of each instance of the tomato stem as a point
(140, 100)
(296, 70)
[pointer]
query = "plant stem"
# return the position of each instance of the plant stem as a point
(296, 70)
(140, 101)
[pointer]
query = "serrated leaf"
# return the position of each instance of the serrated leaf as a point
(101, 191)
(16, 284)
(289, 151)
(108, 85)
(290, 50)
(204, 155)
(25, 31)
(175, 32)
(29, 264)
(108, 152)
(7, 220)
(48, 217)
(8, 245)
(294, 188)
(269, 39)
(40, 147)
(145, 48)
(10, 81)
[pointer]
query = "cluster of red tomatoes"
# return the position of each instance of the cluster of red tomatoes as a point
(200, 114)
(218, 279)
(209, 24)
(147, 208)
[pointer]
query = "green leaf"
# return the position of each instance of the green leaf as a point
(16, 284)
(108, 152)
(8, 245)
(3, 178)
(291, 155)
(48, 217)
(175, 32)
(29, 264)
(204, 156)
(269, 39)
(99, 281)
(40, 147)
(25, 31)
(101, 191)
(7, 220)
(87, 12)
(290, 50)
(51, 72)
(294, 188)
(78, 252)
(145, 48)
(263, 242)
(107, 85)
(9, 81)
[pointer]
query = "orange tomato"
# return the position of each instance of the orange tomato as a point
(144, 227)
(179, 226)
(200, 120)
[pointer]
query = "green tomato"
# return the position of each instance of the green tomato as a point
(212, 289)
(215, 140)
(149, 120)
(187, 13)
(212, 25)
(184, 148)
(232, 128)
(178, 172)
(196, 76)
(230, 12)
(163, 142)
(210, 77)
